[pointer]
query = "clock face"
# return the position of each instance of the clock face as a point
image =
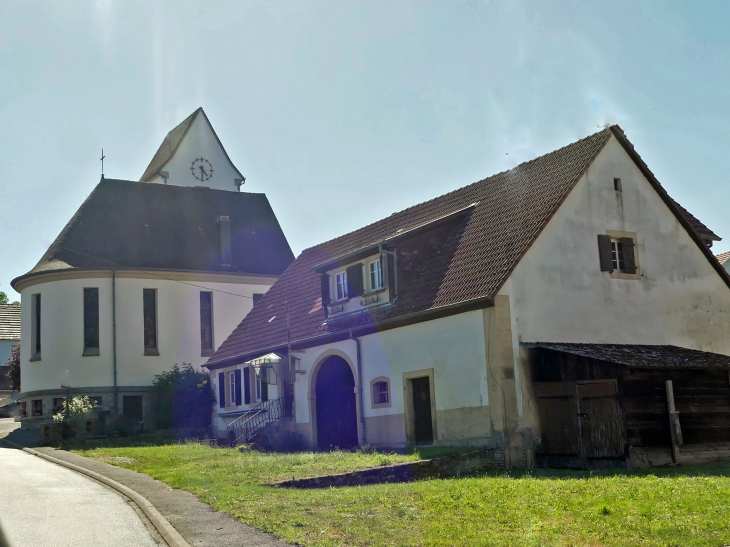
(202, 169)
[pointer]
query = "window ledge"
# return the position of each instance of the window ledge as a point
(375, 406)
(374, 291)
(152, 352)
(35, 357)
(90, 352)
(206, 352)
(624, 275)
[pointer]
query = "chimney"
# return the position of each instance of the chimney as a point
(224, 228)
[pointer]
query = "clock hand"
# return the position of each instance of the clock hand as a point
(202, 170)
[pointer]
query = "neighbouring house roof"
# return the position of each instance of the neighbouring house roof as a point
(643, 356)
(723, 257)
(127, 224)
(171, 143)
(703, 231)
(493, 222)
(9, 322)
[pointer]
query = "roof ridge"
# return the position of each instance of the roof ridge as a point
(462, 188)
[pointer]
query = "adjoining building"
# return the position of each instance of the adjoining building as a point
(146, 275)
(9, 338)
(565, 312)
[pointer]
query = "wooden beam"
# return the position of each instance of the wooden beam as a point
(674, 426)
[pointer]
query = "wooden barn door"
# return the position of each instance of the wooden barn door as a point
(581, 423)
(600, 419)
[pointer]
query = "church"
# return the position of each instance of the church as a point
(145, 275)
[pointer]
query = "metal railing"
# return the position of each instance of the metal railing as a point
(244, 428)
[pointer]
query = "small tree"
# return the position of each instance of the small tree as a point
(14, 372)
(184, 398)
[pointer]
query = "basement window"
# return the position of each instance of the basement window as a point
(38, 407)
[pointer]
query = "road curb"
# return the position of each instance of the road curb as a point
(171, 536)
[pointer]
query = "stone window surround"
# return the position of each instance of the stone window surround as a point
(617, 234)
(373, 404)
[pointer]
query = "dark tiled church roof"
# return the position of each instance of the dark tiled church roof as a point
(468, 259)
(163, 227)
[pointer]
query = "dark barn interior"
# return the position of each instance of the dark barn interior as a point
(609, 406)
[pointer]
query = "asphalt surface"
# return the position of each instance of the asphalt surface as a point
(46, 504)
(197, 522)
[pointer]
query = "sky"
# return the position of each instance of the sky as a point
(344, 112)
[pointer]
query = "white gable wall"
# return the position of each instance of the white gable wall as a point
(200, 141)
(557, 292)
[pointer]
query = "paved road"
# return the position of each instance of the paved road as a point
(46, 504)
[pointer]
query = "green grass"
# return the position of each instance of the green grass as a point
(688, 506)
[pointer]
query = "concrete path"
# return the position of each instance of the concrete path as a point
(197, 522)
(45, 504)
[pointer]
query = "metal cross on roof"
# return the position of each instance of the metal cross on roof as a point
(102, 162)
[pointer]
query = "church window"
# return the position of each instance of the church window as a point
(35, 328)
(206, 322)
(91, 321)
(150, 321)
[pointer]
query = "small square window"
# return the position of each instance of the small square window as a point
(617, 184)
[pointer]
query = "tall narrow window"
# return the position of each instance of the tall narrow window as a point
(232, 378)
(617, 255)
(206, 321)
(35, 335)
(376, 275)
(150, 321)
(91, 321)
(341, 282)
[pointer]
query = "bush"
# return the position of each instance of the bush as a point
(184, 398)
(72, 420)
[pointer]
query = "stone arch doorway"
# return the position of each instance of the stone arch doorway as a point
(336, 405)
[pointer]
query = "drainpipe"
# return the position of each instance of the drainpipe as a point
(359, 381)
(114, 336)
(384, 250)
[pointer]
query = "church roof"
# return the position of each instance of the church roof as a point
(171, 143)
(457, 265)
(136, 225)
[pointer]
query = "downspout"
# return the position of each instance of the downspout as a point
(384, 250)
(359, 382)
(114, 336)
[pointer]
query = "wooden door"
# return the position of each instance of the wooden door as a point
(422, 410)
(600, 419)
(558, 408)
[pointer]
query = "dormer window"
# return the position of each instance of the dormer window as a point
(341, 286)
(376, 275)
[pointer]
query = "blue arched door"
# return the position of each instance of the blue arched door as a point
(336, 406)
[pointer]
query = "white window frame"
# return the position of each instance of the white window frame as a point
(378, 271)
(341, 286)
(232, 383)
(617, 255)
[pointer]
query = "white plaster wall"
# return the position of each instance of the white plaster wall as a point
(6, 347)
(558, 293)
(178, 329)
(200, 142)
(452, 346)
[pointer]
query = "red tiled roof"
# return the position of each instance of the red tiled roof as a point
(469, 260)
(723, 257)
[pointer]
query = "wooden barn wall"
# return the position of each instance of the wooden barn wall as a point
(702, 396)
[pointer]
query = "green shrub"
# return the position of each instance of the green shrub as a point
(184, 399)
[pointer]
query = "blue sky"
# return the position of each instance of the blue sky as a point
(344, 112)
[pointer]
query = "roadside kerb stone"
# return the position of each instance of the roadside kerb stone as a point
(445, 466)
(165, 529)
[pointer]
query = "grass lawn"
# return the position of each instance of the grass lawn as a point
(665, 507)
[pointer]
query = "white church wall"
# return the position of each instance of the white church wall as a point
(200, 142)
(558, 293)
(178, 327)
